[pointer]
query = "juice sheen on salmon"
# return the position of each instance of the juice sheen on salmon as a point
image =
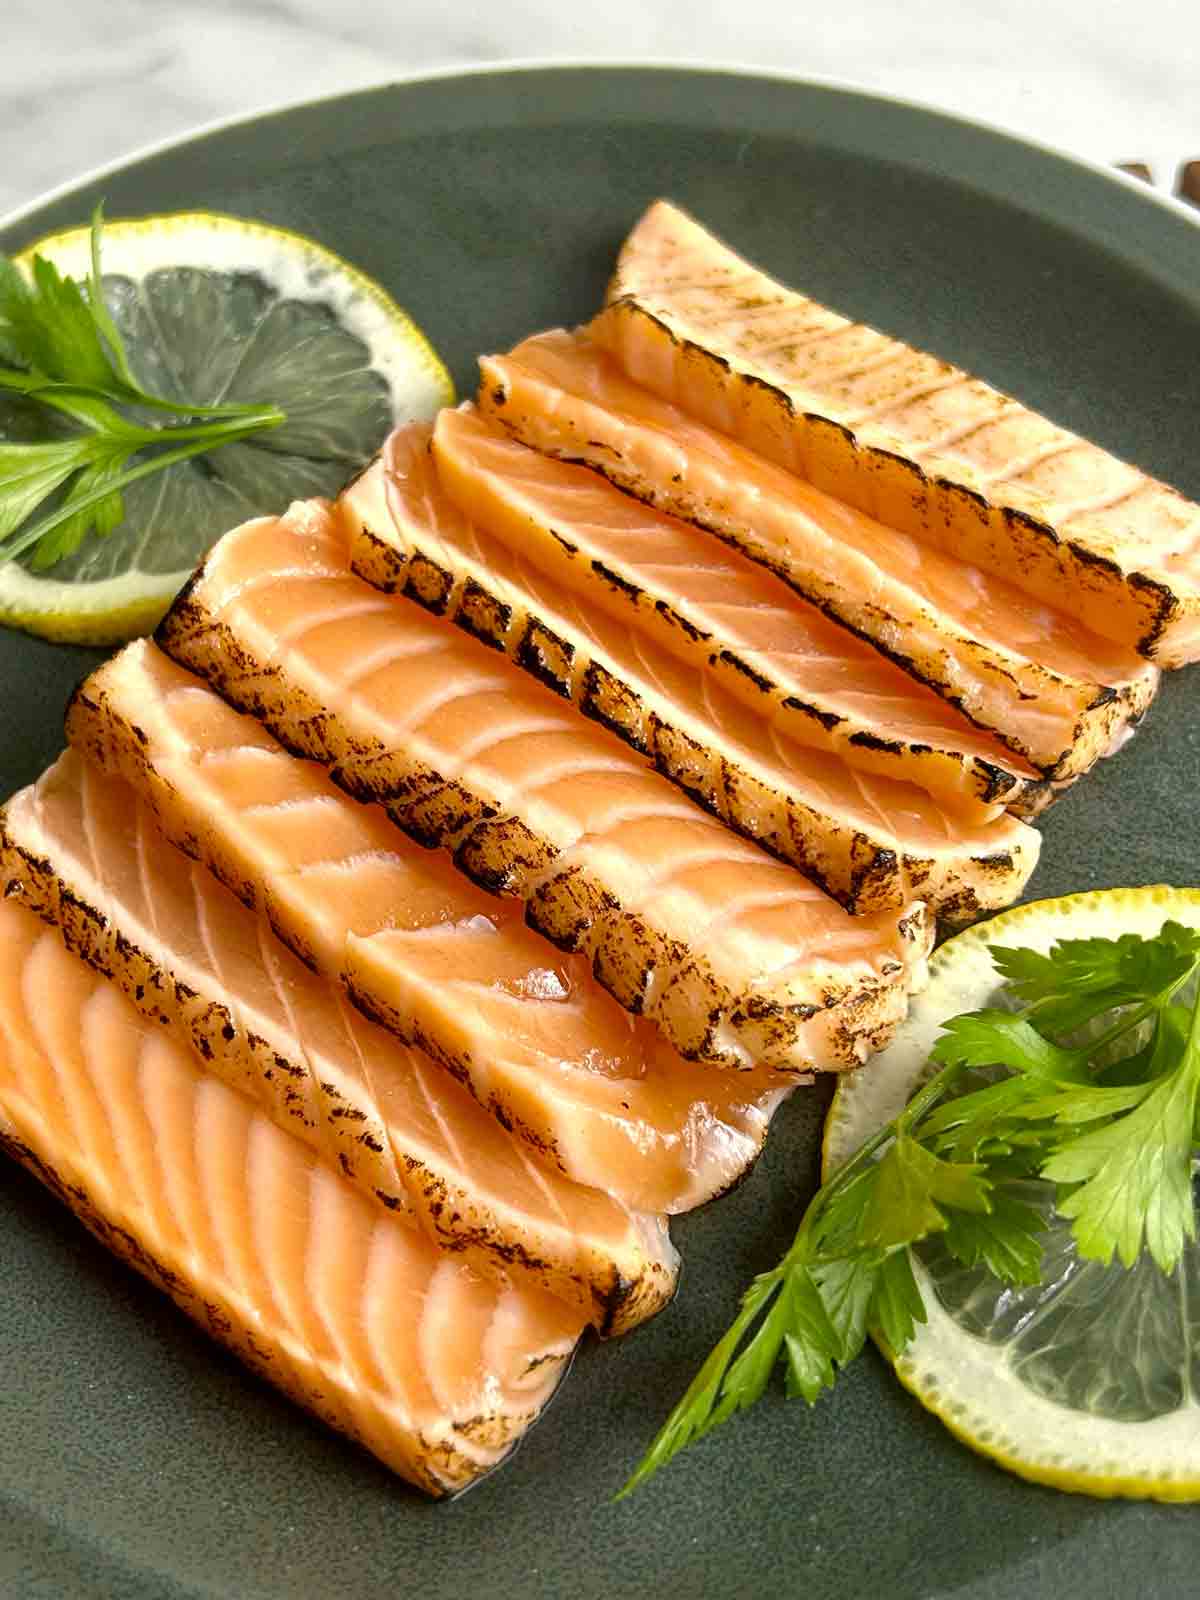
(351, 1312)
(872, 842)
(740, 959)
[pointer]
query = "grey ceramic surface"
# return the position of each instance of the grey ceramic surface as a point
(137, 1462)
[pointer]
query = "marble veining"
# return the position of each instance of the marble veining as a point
(84, 82)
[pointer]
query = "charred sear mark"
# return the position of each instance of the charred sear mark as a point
(611, 702)
(440, 817)
(545, 656)
(827, 719)
(761, 682)
(502, 853)
(616, 581)
(566, 905)
(482, 615)
(688, 629)
(429, 584)
(378, 563)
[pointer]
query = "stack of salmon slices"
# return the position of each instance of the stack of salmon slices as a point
(462, 878)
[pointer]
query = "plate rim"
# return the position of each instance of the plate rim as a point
(522, 66)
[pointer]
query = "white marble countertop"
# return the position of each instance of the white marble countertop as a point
(83, 82)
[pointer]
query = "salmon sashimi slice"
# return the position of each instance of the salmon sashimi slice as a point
(873, 843)
(783, 658)
(351, 1312)
(1045, 686)
(596, 1094)
(907, 438)
(715, 609)
(82, 852)
(739, 958)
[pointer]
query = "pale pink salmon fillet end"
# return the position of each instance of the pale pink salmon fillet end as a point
(351, 1312)
(1047, 688)
(874, 843)
(905, 437)
(82, 852)
(591, 1092)
(741, 960)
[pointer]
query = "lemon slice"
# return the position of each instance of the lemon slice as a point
(1091, 1380)
(211, 309)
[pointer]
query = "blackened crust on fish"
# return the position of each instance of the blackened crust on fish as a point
(730, 658)
(827, 719)
(381, 564)
(607, 699)
(953, 670)
(992, 783)
(427, 583)
(866, 874)
(439, 1468)
(343, 1130)
(565, 906)
(1032, 538)
(502, 855)
(1017, 541)
(572, 909)
(545, 656)
(483, 616)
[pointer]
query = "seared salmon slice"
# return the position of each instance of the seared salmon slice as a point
(907, 438)
(873, 843)
(82, 851)
(739, 958)
(1047, 687)
(598, 1095)
(712, 607)
(351, 1312)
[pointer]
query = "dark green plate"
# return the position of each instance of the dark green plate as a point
(136, 1461)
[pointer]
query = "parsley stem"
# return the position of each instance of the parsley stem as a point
(211, 438)
(1125, 1024)
(702, 1393)
(1194, 1029)
(256, 419)
(57, 392)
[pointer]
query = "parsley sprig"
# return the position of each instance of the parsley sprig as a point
(62, 352)
(1089, 1083)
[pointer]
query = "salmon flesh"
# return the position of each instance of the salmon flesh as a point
(593, 1093)
(874, 843)
(352, 1312)
(83, 852)
(741, 960)
(1033, 678)
(905, 437)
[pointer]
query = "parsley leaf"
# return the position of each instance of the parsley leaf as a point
(913, 1189)
(1006, 1239)
(60, 347)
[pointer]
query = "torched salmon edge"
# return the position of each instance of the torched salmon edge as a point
(615, 1278)
(589, 1094)
(153, 1145)
(711, 1013)
(1051, 697)
(750, 776)
(1064, 551)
